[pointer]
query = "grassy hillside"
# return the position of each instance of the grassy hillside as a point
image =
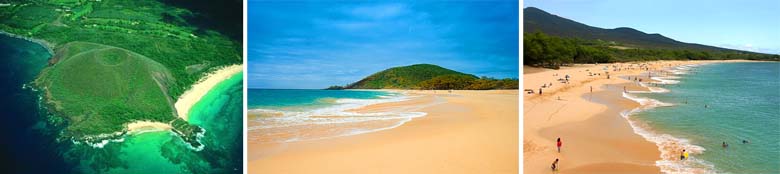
(147, 27)
(427, 76)
(552, 41)
(119, 61)
(101, 88)
(403, 77)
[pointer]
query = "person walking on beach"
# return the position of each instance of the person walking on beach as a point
(540, 91)
(559, 144)
(554, 165)
(591, 89)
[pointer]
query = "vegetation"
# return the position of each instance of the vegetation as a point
(551, 52)
(427, 76)
(552, 41)
(102, 88)
(118, 61)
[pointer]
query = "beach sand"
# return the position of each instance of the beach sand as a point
(141, 126)
(463, 132)
(596, 138)
(202, 87)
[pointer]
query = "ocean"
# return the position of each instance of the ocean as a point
(286, 115)
(31, 143)
(700, 107)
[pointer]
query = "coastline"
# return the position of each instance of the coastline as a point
(582, 119)
(45, 44)
(147, 126)
(462, 132)
(191, 97)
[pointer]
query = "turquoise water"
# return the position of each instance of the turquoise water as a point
(32, 143)
(285, 115)
(743, 103)
(301, 98)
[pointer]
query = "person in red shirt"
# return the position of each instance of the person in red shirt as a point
(559, 145)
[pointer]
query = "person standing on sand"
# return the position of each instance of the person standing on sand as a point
(591, 89)
(559, 144)
(555, 165)
(540, 91)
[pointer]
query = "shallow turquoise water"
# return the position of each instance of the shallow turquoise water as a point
(304, 98)
(743, 102)
(287, 115)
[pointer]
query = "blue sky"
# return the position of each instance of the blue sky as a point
(311, 45)
(752, 25)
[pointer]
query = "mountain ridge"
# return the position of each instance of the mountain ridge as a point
(536, 19)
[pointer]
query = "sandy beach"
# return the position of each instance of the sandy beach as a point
(586, 114)
(141, 126)
(199, 89)
(463, 132)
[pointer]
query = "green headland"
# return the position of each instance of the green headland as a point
(428, 76)
(116, 62)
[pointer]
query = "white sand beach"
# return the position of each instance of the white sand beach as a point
(194, 94)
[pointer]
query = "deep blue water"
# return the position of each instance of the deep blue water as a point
(26, 144)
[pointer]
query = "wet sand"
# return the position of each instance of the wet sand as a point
(463, 132)
(596, 138)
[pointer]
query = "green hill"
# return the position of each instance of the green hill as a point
(119, 61)
(403, 77)
(98, 89)
(427, 76)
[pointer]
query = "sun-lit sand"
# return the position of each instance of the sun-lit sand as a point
(596, 139)
(202, 87)
(463, 132)
(140, 126)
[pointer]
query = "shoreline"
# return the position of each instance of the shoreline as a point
(45, 44)
(139, 127)
(189, 98)
(457, 121)
(614, 110)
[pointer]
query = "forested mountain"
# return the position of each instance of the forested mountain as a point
(551, 41)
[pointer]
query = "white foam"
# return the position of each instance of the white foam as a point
(670, 148)
(646, 103)
(340, 113)
(665, 80)
(669, 145)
